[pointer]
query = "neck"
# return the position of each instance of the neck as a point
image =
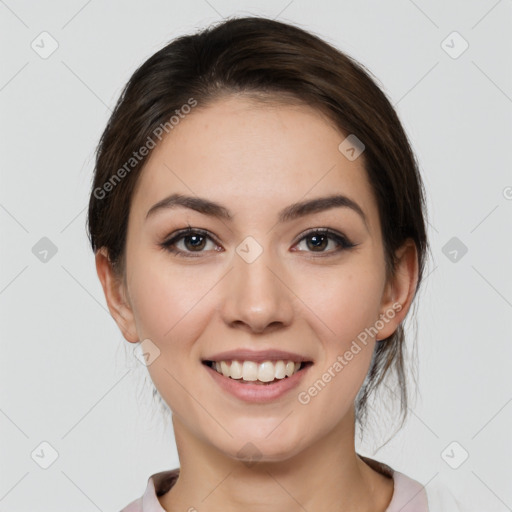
(328, 475)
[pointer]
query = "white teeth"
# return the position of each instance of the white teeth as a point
(236, 370)
(224, 368)
(280, 370)
(266, 371)
(249, 371)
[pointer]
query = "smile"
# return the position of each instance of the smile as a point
(260, 382)
(250, 371)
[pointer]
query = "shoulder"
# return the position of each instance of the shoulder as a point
(134, 506)
(441, 498)
(157, 485)
(412, 495)
(409, 495)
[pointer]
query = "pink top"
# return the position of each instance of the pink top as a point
(408, 495)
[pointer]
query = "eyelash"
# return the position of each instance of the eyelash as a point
(344, 243)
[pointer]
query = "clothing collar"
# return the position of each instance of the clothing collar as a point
(408, 495)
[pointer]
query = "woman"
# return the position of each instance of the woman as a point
(258, 221)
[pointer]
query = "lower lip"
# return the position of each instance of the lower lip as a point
(257, 392)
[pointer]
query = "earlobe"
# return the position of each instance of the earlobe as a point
(115, 296)
(400, 290)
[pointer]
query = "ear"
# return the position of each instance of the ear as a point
(399, 291)
(115, 295)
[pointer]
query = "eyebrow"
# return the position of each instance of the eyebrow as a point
(291, 212)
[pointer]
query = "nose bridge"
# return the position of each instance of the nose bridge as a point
(256, 295)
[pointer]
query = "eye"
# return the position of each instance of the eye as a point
(317, 240)
(192, 240)
(195, 240)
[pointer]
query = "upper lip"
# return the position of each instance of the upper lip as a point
(258, 356)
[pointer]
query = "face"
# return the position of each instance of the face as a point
(256, 276)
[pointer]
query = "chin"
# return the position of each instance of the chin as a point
(252, 446)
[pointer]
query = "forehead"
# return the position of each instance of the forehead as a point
(253, 155)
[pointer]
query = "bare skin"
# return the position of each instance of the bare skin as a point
(256, 159)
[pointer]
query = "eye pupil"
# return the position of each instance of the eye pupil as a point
(318, 244)
(195, 245)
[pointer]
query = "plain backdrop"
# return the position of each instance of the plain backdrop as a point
(69, 379)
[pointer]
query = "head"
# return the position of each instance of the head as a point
(257, 115)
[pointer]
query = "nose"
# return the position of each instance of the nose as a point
(256, 296)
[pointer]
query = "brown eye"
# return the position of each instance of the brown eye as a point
(195, 242)
(189, 241)
(317, 242)
(319, 239)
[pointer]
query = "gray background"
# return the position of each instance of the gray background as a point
(68, 376)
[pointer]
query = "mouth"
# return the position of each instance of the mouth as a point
(265, 373)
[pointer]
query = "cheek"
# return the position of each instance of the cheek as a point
(171, 309)
(347, 301)
(343, 308)
(166, 300)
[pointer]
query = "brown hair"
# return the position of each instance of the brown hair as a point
(263, 58)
